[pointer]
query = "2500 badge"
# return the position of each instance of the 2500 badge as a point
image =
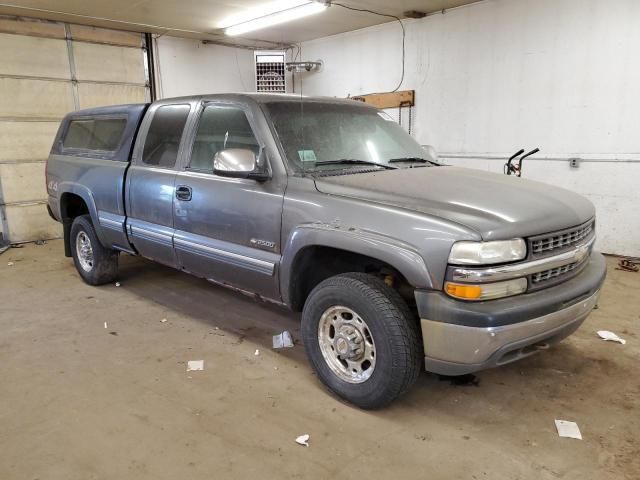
(257, 242)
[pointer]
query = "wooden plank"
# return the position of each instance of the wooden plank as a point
(22, 182)
(33, 56)
(28, 222)
(103, 35)
(26, 141)
(31, 26)
(22, 98)
(108, 63)
(97, 95)
(401, 98)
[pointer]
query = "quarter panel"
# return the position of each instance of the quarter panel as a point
(99, 183)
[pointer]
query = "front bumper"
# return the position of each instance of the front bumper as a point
(462, 337)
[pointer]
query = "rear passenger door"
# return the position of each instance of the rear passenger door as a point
(151, 182)
(228, 229)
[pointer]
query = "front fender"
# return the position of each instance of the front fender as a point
(400, 255)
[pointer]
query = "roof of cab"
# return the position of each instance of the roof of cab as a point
(263, 98)
(255, 97)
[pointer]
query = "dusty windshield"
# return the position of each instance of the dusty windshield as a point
(323, 137)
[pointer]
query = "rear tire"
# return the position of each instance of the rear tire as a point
(361, 339)
(96, 264)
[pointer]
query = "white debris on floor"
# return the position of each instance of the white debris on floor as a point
(303, 440)
(284, 340)
(163, 320)
(193, 365)
(568, 429)
(105, 325)
(612, 337)
(9, 264)
(117, 284)
(257, 352)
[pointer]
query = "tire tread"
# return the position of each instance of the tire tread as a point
(401, 327)
(105, 269)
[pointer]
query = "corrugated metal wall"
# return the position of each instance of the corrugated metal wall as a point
(46, 70)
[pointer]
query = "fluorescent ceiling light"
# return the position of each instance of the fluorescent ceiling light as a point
(260, 11)
(270, 14)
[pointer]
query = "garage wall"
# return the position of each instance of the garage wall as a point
(189, 67)
(503, 74)
(46, 70)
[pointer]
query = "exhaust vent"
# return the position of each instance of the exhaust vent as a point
(270, 69)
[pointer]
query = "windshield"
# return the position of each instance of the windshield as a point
(319, 137)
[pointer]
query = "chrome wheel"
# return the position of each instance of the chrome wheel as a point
(346, 344)
(84, 251)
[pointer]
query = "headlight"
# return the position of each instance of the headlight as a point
(487, 253)
(486, 291)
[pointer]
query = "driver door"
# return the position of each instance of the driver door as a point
(227, 229)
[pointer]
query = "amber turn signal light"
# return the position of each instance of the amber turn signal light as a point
(469, 292)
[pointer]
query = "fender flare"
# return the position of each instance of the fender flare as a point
(86, 195)
(400, 255)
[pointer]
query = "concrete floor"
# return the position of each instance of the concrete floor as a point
(78, 401)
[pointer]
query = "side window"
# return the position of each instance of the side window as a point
(99, 134)
(163, 137)
(220, 127)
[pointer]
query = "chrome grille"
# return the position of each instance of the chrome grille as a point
(561, 240)
(552, 273)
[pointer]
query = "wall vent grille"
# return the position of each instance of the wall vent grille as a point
(270, 71)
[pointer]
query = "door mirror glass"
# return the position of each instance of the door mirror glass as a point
(238, 163)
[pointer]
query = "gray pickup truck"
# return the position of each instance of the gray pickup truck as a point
(396, 262)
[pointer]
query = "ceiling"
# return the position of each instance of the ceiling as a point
(198, 18)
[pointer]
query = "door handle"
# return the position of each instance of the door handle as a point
(183, 193)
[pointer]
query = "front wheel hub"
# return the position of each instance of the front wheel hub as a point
(346, 344)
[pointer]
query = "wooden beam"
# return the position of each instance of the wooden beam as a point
(401, 98)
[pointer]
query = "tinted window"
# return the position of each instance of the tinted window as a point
(163, 137)
(220, 127)
(95, 134)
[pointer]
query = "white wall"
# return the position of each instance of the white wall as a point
(563, 75)
(189, 67)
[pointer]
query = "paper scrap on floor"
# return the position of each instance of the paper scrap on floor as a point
(283, 340)
(568, 429)
(612, 337)
(303, 440)
(193, 365)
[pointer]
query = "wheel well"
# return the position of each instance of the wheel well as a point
(71, 206)
(314, 264)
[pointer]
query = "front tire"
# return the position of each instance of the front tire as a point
(361, 339)
(96, 264)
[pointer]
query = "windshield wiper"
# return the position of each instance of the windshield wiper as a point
(414, 159)
(354, 161)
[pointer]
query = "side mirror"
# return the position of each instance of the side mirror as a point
(239, 163)
(432, 154)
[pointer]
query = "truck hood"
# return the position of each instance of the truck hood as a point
(495, 206)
